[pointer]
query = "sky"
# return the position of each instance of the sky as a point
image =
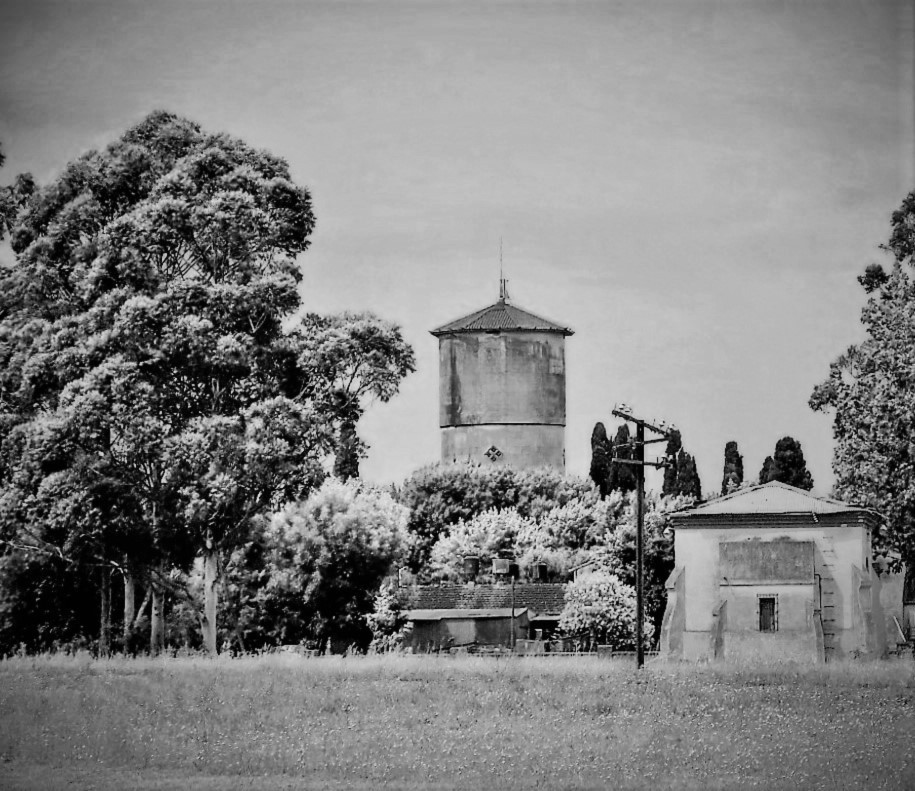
(691, 186)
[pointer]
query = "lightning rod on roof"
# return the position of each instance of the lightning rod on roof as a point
(503, 283)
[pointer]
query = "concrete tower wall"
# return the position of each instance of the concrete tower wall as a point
(502, 377)
(520, 445)
(504, 389)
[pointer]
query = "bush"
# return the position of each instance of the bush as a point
(325, 559)
(602, 607)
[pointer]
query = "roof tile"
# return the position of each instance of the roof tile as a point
(537, 597)
(501, 316)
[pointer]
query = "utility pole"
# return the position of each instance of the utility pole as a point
(662, 428)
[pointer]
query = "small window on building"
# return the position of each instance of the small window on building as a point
(768, 614)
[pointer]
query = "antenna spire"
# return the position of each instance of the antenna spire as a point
(503, 283)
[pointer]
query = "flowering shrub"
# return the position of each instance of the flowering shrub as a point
(386, 620)
(602, 607)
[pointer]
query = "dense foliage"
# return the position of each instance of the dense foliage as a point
(623, 476)
(154, 402)
(787, 465)
(586, 529)
(348, 360)
(603, 608)
(328, 556)
(441, 495)
(871, 393)
(732, 477)
(681, 476)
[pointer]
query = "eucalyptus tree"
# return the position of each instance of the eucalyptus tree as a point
(350, 360)
(143, 330)
(870, 392)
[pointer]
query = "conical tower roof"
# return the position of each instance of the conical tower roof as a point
(501, 316)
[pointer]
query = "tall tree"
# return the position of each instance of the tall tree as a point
(622, 476)
(733, 468)
(600, 459)
(871, 393)
(350, 360)
(674, 447)
(787, 465)
(143, 330)
(681, 476)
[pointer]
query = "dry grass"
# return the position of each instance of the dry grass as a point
(426, 722)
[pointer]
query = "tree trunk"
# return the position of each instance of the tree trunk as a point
(210, 596)
(157, 620)
(130, 606)
(104, 635)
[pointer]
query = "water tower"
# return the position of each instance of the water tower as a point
(502, 387)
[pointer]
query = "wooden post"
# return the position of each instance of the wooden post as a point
(639, 545)
(104, 636)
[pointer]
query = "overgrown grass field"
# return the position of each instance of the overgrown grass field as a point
(447, 723)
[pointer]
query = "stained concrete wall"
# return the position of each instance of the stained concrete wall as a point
(521, 446)
(837, 550)
(502, 377)
(505, 390)
(697, 551)
(795, 637)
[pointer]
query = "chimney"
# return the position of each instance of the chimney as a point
(500, 567)
(471, 567)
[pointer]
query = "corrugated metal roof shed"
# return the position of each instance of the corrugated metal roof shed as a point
(501, 316)
(451, 614)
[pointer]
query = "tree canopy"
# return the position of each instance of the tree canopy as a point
(601, 454)
(603, 608)
(350, 359)
(787, 465)
(152, 400)
(328, 555)
(681, 476)
(733, 468)
(870, 391)
(622, 476)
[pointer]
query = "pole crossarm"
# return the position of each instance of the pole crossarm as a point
(656, 464)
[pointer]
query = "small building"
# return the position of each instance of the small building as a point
(499, 614)
(435, 630)
(772, 571)
(502, 387)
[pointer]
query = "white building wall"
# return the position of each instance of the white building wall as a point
(837, 549)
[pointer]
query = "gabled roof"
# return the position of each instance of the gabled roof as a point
(770, 498)
(540, 598)
(452, 614)
(501, 316)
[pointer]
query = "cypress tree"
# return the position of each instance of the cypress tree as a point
(733, 468)
(681, 475)
(600, 459)
(787, 465)
(688, 482)
(622, 476)
(674, 446)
